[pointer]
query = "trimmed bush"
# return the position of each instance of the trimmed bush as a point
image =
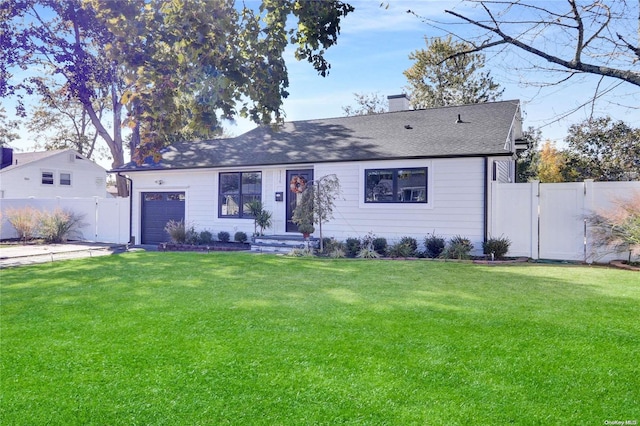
(206, 237)
(224, 236)
(380, 245)
(434, 245)
(192, 236)
(240, 237)
(352, 246)
(498, 246)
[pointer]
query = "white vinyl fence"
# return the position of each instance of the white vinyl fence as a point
(104, 220)
(548, 220)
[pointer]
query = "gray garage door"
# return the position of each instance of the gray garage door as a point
(158, 208)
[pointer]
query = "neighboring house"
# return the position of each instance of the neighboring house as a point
(49, 174)
(402, 173)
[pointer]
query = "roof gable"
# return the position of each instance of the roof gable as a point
(21, 159)
(467, 130)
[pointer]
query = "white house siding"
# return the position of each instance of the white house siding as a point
(24, 181)
(455, 200)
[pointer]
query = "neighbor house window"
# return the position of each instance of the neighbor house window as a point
(47, 178)
(65, 179)
(236, 191)
(396, 185)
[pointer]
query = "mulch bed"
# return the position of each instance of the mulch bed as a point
(215, 246)
(622, 264)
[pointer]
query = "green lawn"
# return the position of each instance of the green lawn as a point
(228, 338)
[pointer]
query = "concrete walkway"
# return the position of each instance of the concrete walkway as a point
(28, 254)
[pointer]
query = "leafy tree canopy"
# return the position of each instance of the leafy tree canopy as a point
(176, 66)
(604, 150)
(439, 77)
(366, 104)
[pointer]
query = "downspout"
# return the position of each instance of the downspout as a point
(486, 198)
(131, 239)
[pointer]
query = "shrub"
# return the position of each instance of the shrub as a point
(337, 253)
(240, 237)
(618, 229)
(331, 244)
(352, 247)
(368, 253)
(224, 236)
(496, 246)
(412, 245)
(192, 236)
(434, 245)
(206, 237)
(458, 248)
(399, 250)
(177, 231)
(59, 225)
(380, 245)
(24, 221)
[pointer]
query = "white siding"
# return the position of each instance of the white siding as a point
(455, 200)
(87, 178)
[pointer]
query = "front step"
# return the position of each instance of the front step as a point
(281, 243)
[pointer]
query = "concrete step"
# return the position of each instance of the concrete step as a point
(280, 243)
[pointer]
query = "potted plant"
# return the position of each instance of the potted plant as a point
(306, 229)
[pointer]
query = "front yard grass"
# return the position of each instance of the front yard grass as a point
(237, 338)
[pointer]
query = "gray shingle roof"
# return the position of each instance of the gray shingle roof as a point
(407, 134)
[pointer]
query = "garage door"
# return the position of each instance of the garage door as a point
(158, 208)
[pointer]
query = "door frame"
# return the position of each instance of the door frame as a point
(291, 198)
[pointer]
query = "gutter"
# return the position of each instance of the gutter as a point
(486, 198)
(131, 238)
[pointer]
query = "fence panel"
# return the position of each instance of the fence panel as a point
(562, 221)
(514, 214)
(103, 220)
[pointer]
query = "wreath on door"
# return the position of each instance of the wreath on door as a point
(298, 184)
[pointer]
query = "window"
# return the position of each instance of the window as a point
(65, 179)
(236, 190)
(396, 185)
(47, 178)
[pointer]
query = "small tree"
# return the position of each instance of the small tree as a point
(317, 203)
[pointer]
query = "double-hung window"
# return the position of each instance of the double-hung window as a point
(47, 178)
(65, 179)
(236, 190)
(398, 185)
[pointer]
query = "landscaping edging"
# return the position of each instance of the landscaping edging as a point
(215, 246)
(623, 265)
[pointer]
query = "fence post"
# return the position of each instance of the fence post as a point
(535, 218)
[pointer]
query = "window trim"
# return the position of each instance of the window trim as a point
(70, 184)
(396, 164)
(241, 214)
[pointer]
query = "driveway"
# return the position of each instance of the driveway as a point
(27, 254)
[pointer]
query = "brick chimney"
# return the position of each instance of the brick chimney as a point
(399, 103)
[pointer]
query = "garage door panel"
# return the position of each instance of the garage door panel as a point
(158, 208)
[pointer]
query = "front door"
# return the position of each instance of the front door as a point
(292, 197)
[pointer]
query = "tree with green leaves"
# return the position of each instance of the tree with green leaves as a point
(366, 104)
(439, 77)
(7, 129)
(169, 68)
(528, 160)
(604, 150)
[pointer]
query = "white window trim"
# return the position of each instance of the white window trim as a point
(396, 164)
(60, 173)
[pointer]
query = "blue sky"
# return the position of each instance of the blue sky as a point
(373, 51)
